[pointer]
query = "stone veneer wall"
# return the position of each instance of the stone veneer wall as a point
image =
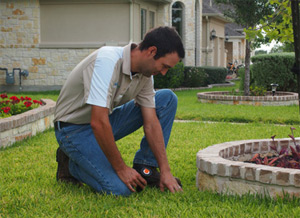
(19, 43)
(218, 172)
(18, 127)
(189, 30)
(48, 68)
(281, 98)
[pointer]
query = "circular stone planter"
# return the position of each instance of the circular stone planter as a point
(280, 99)
(219, 171)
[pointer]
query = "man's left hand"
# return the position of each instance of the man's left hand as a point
(168, 181)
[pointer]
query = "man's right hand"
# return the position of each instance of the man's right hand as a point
(131, 178)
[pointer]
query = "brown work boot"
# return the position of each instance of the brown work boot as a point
(63, 174)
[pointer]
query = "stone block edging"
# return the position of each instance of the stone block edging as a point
(217, 170)
(18, 127)
(281, 98)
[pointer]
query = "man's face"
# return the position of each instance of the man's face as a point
(159, 66)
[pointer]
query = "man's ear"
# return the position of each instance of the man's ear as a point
(152, 50)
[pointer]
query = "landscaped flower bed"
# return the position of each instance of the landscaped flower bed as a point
(222, 168)
(281, 98)
(23, 117)
(13, 105)
(280, 157)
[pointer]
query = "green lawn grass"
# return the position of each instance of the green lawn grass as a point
(29, 189)
(27, 169)
(189, 108)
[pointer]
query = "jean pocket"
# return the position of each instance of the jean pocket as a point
(72, 130)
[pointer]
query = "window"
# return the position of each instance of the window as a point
(177, 19)
(143, 22)
(151, 19)
(83, 25)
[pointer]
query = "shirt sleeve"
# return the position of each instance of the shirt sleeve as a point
(102, 74)
(146, 96)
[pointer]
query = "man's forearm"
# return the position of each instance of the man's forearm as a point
(155, 139)
(104, 136)
(156, 142)
(103, 133)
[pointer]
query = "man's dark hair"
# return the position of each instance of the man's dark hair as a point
(165, 39)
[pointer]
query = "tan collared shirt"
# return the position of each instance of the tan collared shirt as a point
(103, 79)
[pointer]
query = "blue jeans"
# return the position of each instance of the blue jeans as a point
(89, 164)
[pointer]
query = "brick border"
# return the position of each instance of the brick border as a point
(281, 98)
(18, 127)
(217, 170)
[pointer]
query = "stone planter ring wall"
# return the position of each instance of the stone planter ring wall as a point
(29, 123)
(219, 171)
(281, 98)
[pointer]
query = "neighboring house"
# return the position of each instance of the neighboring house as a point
(187, 19)
(235, 43)
(222, 41)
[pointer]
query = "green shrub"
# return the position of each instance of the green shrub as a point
(187, 76)
(257, 91)
(215, 75)
(274, 68)
(203, 76)
(242, 77)
(173, 79)
(194, 77)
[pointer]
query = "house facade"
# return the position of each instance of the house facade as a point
(50, 37)
(235, 44)
(223, 41)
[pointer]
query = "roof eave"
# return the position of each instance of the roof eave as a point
(158, 1)
(237, 37)
(161, 1)
(218, 16)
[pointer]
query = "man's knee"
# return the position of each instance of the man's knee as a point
(120, 190)
(166, 96)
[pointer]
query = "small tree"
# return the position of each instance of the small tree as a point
(277, 26)
(246, 13)
(284, 26)
(285, 47)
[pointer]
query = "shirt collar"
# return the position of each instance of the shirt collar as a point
(127, 59)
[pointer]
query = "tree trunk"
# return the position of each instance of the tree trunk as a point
(247, 69)
(296, 29)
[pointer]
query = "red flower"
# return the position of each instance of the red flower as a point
(4, 95)
(16, 105)
(28, 103)
(6, 109)
(14, 99)
(37, 102)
